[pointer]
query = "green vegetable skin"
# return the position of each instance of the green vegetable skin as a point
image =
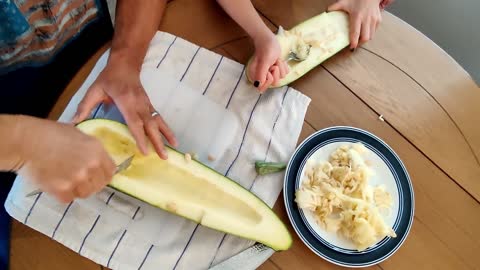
(263, 168)
(327, 34)
(188, 188)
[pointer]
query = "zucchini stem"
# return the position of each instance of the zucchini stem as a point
(264, 168)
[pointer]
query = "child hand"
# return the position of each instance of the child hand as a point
(267, 68)
(365, 16)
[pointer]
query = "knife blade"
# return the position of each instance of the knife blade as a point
(249, 259)
(120, 167)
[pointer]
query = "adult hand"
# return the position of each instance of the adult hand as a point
(62, 160)
(121, 84)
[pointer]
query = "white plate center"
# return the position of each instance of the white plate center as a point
(382, 176)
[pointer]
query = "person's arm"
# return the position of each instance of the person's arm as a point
(244, 13)
(136, 24)
(57, 157)
(10, 140)
(267, 68)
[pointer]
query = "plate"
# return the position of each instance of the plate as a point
(389, 171)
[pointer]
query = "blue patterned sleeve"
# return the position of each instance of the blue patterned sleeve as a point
(12, 22)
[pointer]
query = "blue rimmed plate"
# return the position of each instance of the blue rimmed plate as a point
(389, 172)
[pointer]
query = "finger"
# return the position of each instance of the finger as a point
(108, 169)
(166, 131)
(164, 128)
(100, 176)
(276, 74)
(283, 69)
(287, 68)
(103, 179)
(336, 6)
(355, 25)
(84, 189)
(378, 21)
(135, 124)
(64, 199)
(108, 100)
(153, 134)
(365, 36)
(91, 99)
(267, 83)
(98, 184)
(137, 128)
(373, 27)
(63, 196)
(261, 70)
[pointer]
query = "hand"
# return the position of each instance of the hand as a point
(365, 16)
(62, 160)
(121, 84)
(267, 68)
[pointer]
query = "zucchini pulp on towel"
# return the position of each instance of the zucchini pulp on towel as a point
(188, 188)
(325, 34)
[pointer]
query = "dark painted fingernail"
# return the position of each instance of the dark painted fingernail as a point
(352, 49)
(256, 83)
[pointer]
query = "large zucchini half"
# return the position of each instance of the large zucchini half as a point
(188, 188)
(325, 34)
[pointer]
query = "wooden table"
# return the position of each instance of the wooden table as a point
(429, 104)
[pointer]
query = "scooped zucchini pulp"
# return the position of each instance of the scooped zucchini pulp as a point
(188, 188)
(314, 40)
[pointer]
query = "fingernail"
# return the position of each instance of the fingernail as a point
(352, 49)
(256, 83)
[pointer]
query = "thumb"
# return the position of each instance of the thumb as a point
(261, 70)
(336, 6)
(91, 99)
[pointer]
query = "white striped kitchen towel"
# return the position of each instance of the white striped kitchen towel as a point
(120, 232)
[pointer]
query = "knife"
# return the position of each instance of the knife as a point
(249, 259)
(121, 167)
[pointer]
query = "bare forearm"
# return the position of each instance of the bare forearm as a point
(243, 12)
(10, 142)
(136, 24)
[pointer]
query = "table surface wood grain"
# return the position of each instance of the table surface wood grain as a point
(429, 104)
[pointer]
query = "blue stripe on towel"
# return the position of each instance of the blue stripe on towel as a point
(61, 219)
(136, 212)
(266, 154)
(31, 208)
(213, 75)
(244, 134)
(168, 49)
(186, 246)
(233, 162)
(236, 86)
(116, 246)
(189, 64)
(271, 134)
(110, 197)
(145, 258)
(88, 233)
